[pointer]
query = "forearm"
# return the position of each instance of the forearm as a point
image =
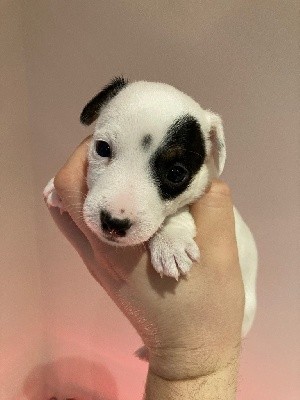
(220, 385)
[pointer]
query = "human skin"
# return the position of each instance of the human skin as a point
(192, 328)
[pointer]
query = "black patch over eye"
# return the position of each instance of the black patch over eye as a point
(102, 148)
(179, 158)
(177, 174)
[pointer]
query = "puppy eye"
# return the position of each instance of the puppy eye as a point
(102, 148)
(177, 174)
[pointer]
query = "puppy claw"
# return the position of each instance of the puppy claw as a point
(193, 252)
(62, 210)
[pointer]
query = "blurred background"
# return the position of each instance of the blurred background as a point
(60, 334)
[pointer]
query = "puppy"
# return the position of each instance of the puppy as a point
(154, 151)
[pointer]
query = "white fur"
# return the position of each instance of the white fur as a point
(123, 185)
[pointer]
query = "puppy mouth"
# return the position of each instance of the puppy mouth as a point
(108, 236)
(115, 238)
(112, 236)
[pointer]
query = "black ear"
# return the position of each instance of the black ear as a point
(91, 111)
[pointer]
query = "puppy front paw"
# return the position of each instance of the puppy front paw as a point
(173, 256)
(51, 196)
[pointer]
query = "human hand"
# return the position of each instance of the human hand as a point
(191, 327)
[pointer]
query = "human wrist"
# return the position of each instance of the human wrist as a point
(191, 363)
(221, 383)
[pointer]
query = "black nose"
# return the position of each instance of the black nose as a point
(112, 225)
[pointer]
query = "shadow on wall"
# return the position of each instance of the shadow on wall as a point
(71, 378)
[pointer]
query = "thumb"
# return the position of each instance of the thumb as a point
(214, 217)
(72, 233)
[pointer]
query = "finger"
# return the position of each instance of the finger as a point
(214, 217)
(73, 234)
(107, 279)
(70, 184)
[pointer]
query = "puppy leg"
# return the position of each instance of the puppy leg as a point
(51, 196)
(173, 249)
(248, 262)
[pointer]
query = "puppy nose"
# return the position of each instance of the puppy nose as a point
(114, 225)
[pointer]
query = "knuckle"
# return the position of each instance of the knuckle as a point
(221, 188)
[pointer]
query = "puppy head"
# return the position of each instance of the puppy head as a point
(153, 151)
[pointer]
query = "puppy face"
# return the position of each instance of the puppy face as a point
(153, 151)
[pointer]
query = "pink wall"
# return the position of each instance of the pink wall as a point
(21, 322)
(238, 58)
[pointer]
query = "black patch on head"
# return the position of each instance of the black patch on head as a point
(146, 142)
(91, 111)
(182, 149)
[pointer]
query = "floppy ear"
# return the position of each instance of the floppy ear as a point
(92, 110)
(216, 133)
